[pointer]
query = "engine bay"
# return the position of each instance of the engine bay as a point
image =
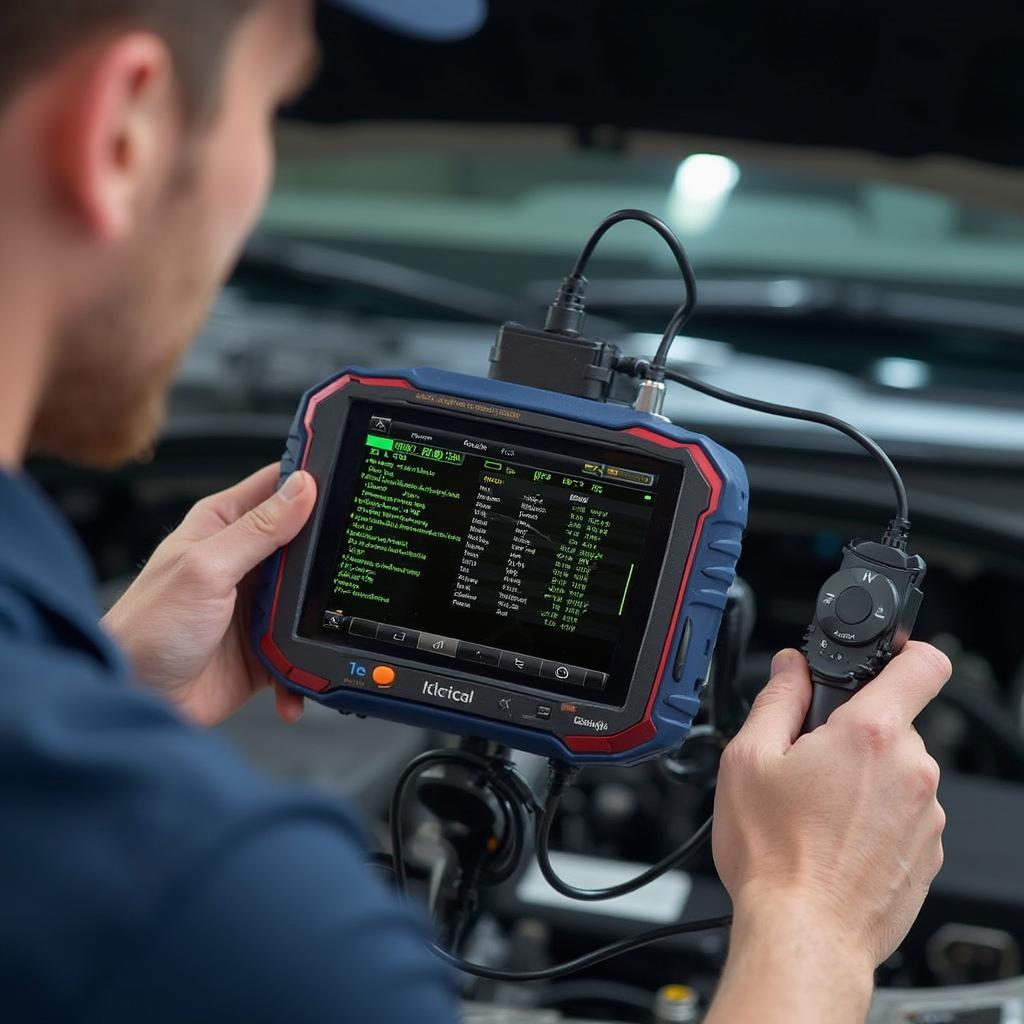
(969, 526)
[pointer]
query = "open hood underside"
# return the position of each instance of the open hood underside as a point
(904, 78)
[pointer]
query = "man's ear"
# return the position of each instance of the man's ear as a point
(117, 132)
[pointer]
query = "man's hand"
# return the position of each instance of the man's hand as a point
(184, 622)
(828, 842)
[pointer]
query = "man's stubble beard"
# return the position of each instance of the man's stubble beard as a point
(105, 401)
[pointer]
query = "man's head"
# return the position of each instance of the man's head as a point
(135, 155)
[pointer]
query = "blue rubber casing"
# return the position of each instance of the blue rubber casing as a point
(710, 572)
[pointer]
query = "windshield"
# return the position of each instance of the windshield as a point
(824, 260)
(502, 216)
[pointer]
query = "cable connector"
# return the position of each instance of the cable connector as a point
(651, 398)
(651, 395)
(568, 311)
(560, 777)
(632, 366)
(897, 533)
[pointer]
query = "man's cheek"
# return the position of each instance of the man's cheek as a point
(255, 187)
(241, 196)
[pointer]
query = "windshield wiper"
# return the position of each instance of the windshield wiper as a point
(316, 263)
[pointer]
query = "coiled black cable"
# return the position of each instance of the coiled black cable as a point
(494, 772)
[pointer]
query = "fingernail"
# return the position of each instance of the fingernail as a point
(294, 486)
(782, 661)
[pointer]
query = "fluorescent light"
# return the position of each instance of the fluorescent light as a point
(907, 374)
(702, 187)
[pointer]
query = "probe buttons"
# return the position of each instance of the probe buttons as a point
(856, 605)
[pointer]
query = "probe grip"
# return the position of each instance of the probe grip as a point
(825, 699)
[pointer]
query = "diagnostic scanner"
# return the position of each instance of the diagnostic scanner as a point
(543, 571)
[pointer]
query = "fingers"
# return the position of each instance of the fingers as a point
(237, 500)
(905, 686)
(213, 514)
(238, 548)
(290, 706)
(780, 708)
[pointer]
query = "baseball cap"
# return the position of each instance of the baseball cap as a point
(434, 20)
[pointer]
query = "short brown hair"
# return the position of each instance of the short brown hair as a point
(34, 33)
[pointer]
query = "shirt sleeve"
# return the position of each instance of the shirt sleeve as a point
(289, 925)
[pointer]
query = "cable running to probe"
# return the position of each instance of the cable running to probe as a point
(569, 309)
(470, 760)
(561, 777)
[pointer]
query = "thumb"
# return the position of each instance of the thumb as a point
(239, 548)
(781, 707)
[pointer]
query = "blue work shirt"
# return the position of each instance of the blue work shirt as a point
(147, 873)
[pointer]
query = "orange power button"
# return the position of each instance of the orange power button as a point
(384, 676)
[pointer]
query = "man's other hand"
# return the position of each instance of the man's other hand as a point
(184, 621)
(840, 830)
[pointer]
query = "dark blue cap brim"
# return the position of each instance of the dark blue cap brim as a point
(435, 20)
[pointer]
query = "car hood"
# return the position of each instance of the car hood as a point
(907, 79)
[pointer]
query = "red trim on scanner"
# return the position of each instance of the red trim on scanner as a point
(627, 739)
(645, 730)
(332, 389)
(272, 652)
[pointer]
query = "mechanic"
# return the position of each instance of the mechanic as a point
(146, 872)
